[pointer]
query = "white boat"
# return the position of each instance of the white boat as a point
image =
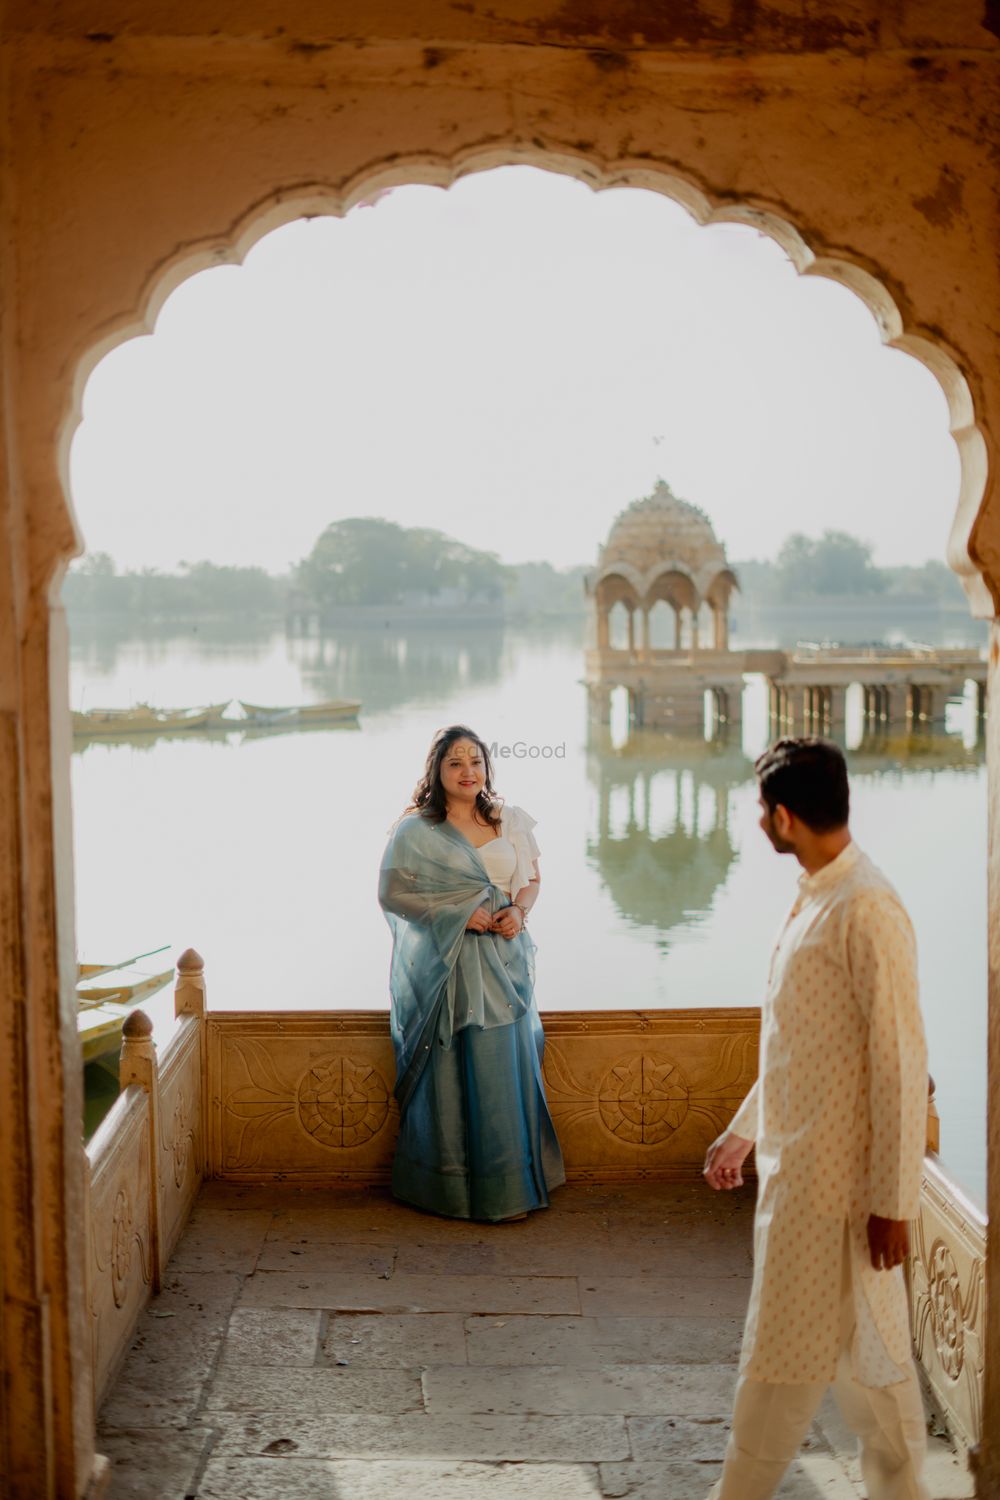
(333, 710)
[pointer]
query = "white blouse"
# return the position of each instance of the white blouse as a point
(508, 859)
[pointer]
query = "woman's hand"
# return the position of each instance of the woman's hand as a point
(480, 921)
(509, 921)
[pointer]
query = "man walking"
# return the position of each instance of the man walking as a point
(838, 1116)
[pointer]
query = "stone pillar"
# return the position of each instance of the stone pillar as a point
(987, 1456)
(137, 1064)
(599, 700)
(721, 620)
(694, 630)
(603, 628)
(644, 635)
(678, 628)
(46, 1381)
(837, 711)
(631, 631)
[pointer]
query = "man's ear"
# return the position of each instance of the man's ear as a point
(782, 820)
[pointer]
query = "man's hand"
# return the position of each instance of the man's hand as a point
(888, 1242)
(724, 1162)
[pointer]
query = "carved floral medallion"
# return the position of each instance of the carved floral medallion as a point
(342, 1102)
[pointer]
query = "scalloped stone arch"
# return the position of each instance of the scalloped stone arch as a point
(230, 245)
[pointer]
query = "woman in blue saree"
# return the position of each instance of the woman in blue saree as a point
(458, 878)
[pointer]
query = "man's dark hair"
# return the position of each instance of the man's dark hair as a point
(809, 778)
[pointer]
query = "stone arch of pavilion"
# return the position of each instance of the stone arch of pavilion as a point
(165, 146)
(290, 201)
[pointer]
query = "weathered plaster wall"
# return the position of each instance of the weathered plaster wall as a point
(145, 137)
(134, 146)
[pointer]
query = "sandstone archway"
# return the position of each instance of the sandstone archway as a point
(153, 141)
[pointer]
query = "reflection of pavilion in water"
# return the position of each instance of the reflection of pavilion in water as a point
(662, 843)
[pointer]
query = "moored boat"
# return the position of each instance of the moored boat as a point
(94, 971)
(143, 718)
(102, 1009)
(127, 993)
(329, 711)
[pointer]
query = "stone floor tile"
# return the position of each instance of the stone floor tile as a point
(166, 1394)
(417, 1435)
(305, 1479)
(153, 1464)
(406, 1341)
(287, 1337)
(303, 1256)
(589, 1343)
(601, 1254)
(669, 1439)
(948, 1473)
(818, 1477)
(661, 1296)
(197, 1291)
(499, 1294)
(675, 1390)
(217, 1238)
(279, 1197)
(679, 1481)
(314, 1392)
(673, 1439)
(376, 1222)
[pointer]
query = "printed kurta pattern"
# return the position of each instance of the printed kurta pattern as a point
(838, 1115)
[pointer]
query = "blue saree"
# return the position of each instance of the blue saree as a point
(476, 1140)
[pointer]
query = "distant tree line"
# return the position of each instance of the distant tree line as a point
(364, 561)
(838, 565)
(94, 586)
(360, 561)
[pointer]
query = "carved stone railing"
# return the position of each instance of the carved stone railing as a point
(144, 1166)
(307, 1096)
(947, 1282)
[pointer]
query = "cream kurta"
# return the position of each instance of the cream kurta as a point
(838, 1114)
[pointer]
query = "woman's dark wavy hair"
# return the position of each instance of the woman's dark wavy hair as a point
(809, 777)
(429, 797)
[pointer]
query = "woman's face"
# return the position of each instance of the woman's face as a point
(463, 771)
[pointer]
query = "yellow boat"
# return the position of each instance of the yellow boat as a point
(144, 719)
(330, 711)
(94, 971)
(102, 1009)
(125, 994)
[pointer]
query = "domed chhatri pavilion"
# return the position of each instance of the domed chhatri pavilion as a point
(662, 554)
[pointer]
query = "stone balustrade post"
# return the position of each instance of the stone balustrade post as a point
(138, 1066)
(190, 1000)
(189, 991)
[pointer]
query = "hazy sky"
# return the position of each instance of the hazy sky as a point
(511, 361)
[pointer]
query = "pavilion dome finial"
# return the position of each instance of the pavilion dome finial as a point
(659, 527)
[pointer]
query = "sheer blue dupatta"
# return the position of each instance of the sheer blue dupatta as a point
(430, 882)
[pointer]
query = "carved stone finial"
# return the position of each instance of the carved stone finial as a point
(137, 1026)
(190, 962)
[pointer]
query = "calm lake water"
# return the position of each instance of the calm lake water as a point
(261, 848)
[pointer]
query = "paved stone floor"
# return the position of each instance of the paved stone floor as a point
(338, 1346)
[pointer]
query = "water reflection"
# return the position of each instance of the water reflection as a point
(662, 844)
(388, 670)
